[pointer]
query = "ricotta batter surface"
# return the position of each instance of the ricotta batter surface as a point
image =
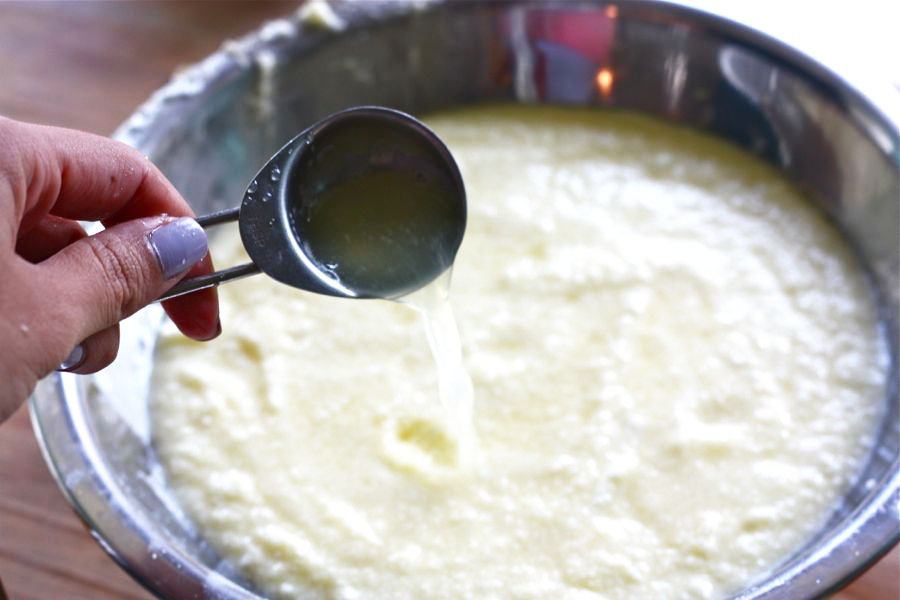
(676, 367)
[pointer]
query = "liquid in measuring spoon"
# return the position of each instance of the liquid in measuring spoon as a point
(381, 233)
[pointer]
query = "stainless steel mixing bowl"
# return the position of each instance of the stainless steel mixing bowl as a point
(215, 123)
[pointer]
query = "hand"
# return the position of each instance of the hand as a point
(62, 293)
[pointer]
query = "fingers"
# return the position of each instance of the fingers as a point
(108, 276)
(77, 175)
(196, 314)
(70, 175)
(94, 353)
(48, 237)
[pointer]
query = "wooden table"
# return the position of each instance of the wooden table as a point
(87, 65)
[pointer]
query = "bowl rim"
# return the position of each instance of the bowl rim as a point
(878, 514)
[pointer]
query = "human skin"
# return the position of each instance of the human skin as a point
(62, 292)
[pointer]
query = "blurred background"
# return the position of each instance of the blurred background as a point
(89, 64)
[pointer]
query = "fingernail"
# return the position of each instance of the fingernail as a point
(74, 360)
(178, 245)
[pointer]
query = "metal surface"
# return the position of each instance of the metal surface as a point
(214, 122)
(219, 217)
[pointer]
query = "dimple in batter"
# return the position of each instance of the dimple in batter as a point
(676, 367)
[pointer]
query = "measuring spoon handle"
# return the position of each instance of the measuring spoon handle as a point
(186, 286)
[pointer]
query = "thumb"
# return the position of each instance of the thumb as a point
(108, 276)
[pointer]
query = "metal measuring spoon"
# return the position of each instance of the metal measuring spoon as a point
(366, 203)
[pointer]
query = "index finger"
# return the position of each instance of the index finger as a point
(87, 177)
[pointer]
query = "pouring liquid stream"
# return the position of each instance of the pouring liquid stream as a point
(455, 388)
(383, 232)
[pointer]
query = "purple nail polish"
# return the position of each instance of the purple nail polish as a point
(74, 360)
(178, 245)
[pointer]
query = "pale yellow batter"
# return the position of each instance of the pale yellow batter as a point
(676, 372)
